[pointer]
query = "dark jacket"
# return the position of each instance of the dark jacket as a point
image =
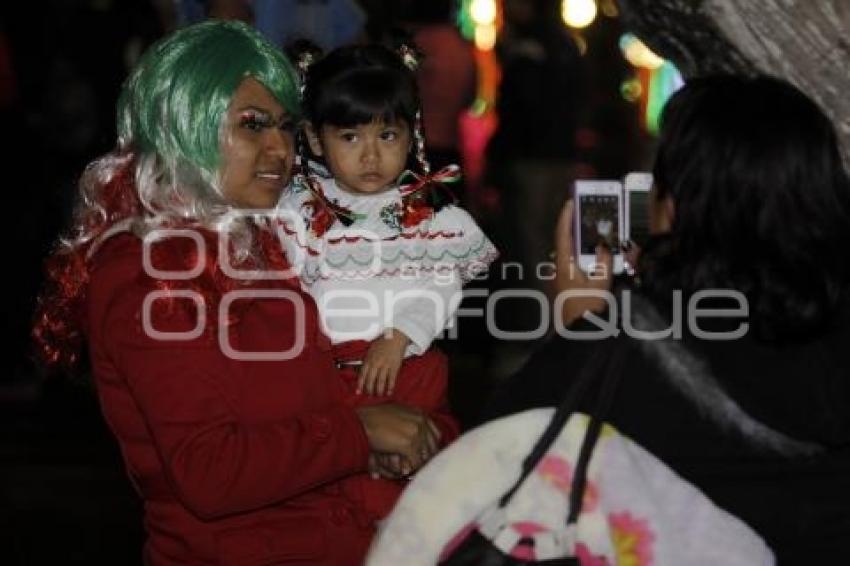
(763, 430)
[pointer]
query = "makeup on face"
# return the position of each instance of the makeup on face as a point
(258, 149)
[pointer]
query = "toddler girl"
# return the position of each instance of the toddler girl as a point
(382, 249)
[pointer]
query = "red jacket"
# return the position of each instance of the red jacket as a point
(239, 462)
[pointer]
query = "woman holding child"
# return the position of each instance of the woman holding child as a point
(210, 364)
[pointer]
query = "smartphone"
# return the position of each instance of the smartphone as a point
(598, 217)
(636, 187)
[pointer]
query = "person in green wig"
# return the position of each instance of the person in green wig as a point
(209, 363)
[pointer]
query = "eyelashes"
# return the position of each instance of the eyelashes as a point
(257, 122)
(254, 122)
(386, 136)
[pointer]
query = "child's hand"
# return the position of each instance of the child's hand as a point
(383, 360)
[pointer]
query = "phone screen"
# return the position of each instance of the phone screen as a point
(599, 221)
(638, 216)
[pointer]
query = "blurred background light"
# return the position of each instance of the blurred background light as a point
(485, 37)
(483, 12)
(578, 13)
(638, 54)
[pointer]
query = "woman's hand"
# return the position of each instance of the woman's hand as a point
(388, 466)
(568, 275)
(383, 360)
(401, 430)
(631, 255)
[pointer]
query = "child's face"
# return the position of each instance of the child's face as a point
(367, 158)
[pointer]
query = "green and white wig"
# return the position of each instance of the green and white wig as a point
(165, 171)
(171, 124)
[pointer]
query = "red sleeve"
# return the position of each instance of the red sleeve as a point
(448, 425)
(217, 461)
(425, 386)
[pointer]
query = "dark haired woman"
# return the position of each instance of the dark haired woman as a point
(384, 256)
(750, 202)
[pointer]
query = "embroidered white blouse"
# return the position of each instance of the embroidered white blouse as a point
(376, 273)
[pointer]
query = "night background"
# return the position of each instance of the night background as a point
(552, 97)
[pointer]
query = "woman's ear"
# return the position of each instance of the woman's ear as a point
(313, 139)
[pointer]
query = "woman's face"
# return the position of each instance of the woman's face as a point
(257, 149)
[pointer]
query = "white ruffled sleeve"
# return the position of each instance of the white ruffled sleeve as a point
(456, 250)
(469, 251)
(426, 309)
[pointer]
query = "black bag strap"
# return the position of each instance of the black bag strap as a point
(610, 385)
(595, 369)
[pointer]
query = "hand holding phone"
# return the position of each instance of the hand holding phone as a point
(598, 219)
(570, 279)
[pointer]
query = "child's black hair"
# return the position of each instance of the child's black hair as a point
(359, 85)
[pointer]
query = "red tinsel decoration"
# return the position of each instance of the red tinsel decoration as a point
(60, 326)
(59, 319)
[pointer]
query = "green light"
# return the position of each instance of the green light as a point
(479, 107)
(631, 90)
(464, 20)
(663, 83)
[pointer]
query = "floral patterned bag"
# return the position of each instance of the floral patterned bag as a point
(495, 542)
(499, 496)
